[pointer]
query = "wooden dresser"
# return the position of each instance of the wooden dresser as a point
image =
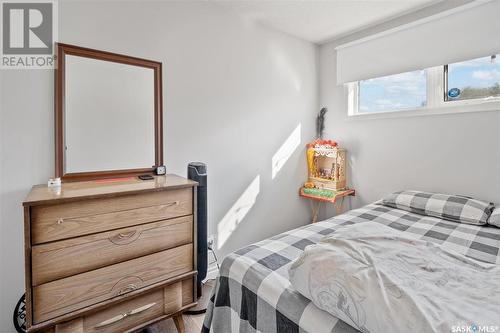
(110, 256)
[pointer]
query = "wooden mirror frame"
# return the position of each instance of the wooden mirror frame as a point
(59, 100)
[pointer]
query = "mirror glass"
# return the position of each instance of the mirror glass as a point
(109, 119)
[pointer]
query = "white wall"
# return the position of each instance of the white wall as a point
(233, 93)
(454, 153)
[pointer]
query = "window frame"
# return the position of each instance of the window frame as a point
(437, 102)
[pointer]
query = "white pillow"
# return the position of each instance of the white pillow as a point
(495, 217)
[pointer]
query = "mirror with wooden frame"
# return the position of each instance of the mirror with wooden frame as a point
(108, 114)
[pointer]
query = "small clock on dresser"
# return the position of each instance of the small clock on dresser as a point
(161, 170)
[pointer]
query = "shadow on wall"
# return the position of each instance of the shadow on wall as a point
(236, 214)
(353, 149)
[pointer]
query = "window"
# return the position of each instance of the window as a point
(394, 92)
(472, 85)
(478, 78)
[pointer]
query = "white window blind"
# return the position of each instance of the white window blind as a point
(466, 32)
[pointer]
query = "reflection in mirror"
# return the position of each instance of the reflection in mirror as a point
(109, 120)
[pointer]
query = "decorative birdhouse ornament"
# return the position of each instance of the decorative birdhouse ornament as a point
(326, 163)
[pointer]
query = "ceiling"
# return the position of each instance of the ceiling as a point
(320, 21)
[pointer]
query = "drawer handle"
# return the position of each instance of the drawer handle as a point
(60, 221)
(124, 238)
(129, 234)
(173, 203)
(122, 316)
(127, 289)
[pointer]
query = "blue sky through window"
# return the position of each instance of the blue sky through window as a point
(478, 73)
(393, 92)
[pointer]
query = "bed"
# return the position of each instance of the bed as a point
(253, 292)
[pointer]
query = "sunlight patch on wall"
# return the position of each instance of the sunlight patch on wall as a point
(285, 151)
(237, 212)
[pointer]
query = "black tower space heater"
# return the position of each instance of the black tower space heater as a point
(198, 172)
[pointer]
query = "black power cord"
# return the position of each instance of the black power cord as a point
(201, 311)
(195, 312)
(215, 256)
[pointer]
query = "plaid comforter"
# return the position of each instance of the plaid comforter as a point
(253, 292)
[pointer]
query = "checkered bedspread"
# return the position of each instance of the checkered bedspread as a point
(253, 292)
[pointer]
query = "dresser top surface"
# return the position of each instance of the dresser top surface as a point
(42, 194)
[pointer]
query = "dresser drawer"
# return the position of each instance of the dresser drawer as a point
(57, 260)
(69, 294)
(126, 315)
(55, 222)
(130, 315)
